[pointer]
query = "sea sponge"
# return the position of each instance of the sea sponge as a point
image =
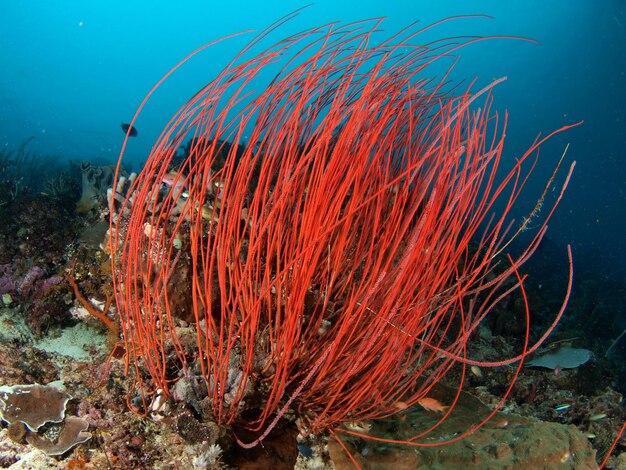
(94, 182)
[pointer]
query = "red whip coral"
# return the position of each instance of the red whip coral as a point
(337, 262)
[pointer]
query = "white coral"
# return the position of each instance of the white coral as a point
(207, 456)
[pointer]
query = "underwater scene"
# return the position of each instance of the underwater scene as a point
(345, 235)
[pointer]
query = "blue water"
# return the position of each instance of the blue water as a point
(72, 71)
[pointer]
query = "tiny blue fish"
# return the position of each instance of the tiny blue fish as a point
(305, 450)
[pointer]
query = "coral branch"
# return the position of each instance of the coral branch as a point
(91, 308)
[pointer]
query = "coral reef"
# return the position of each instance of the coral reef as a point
(36, 227)
(30, 408)
(182, 431)
(42, 298)
(33, 405)
(34, 239)
(63, 187)
(57, 440)
(21, 172)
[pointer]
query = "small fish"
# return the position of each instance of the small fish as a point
(177, 183)
(501, 423)
(128, 129)
(563, 407)
(476, 371)
(431, 404)
(597, 417)
(401, 405)
(359, 426)
(172, 178)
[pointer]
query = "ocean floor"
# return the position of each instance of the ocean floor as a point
(529, 434)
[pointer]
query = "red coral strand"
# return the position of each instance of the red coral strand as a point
(327, 263)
